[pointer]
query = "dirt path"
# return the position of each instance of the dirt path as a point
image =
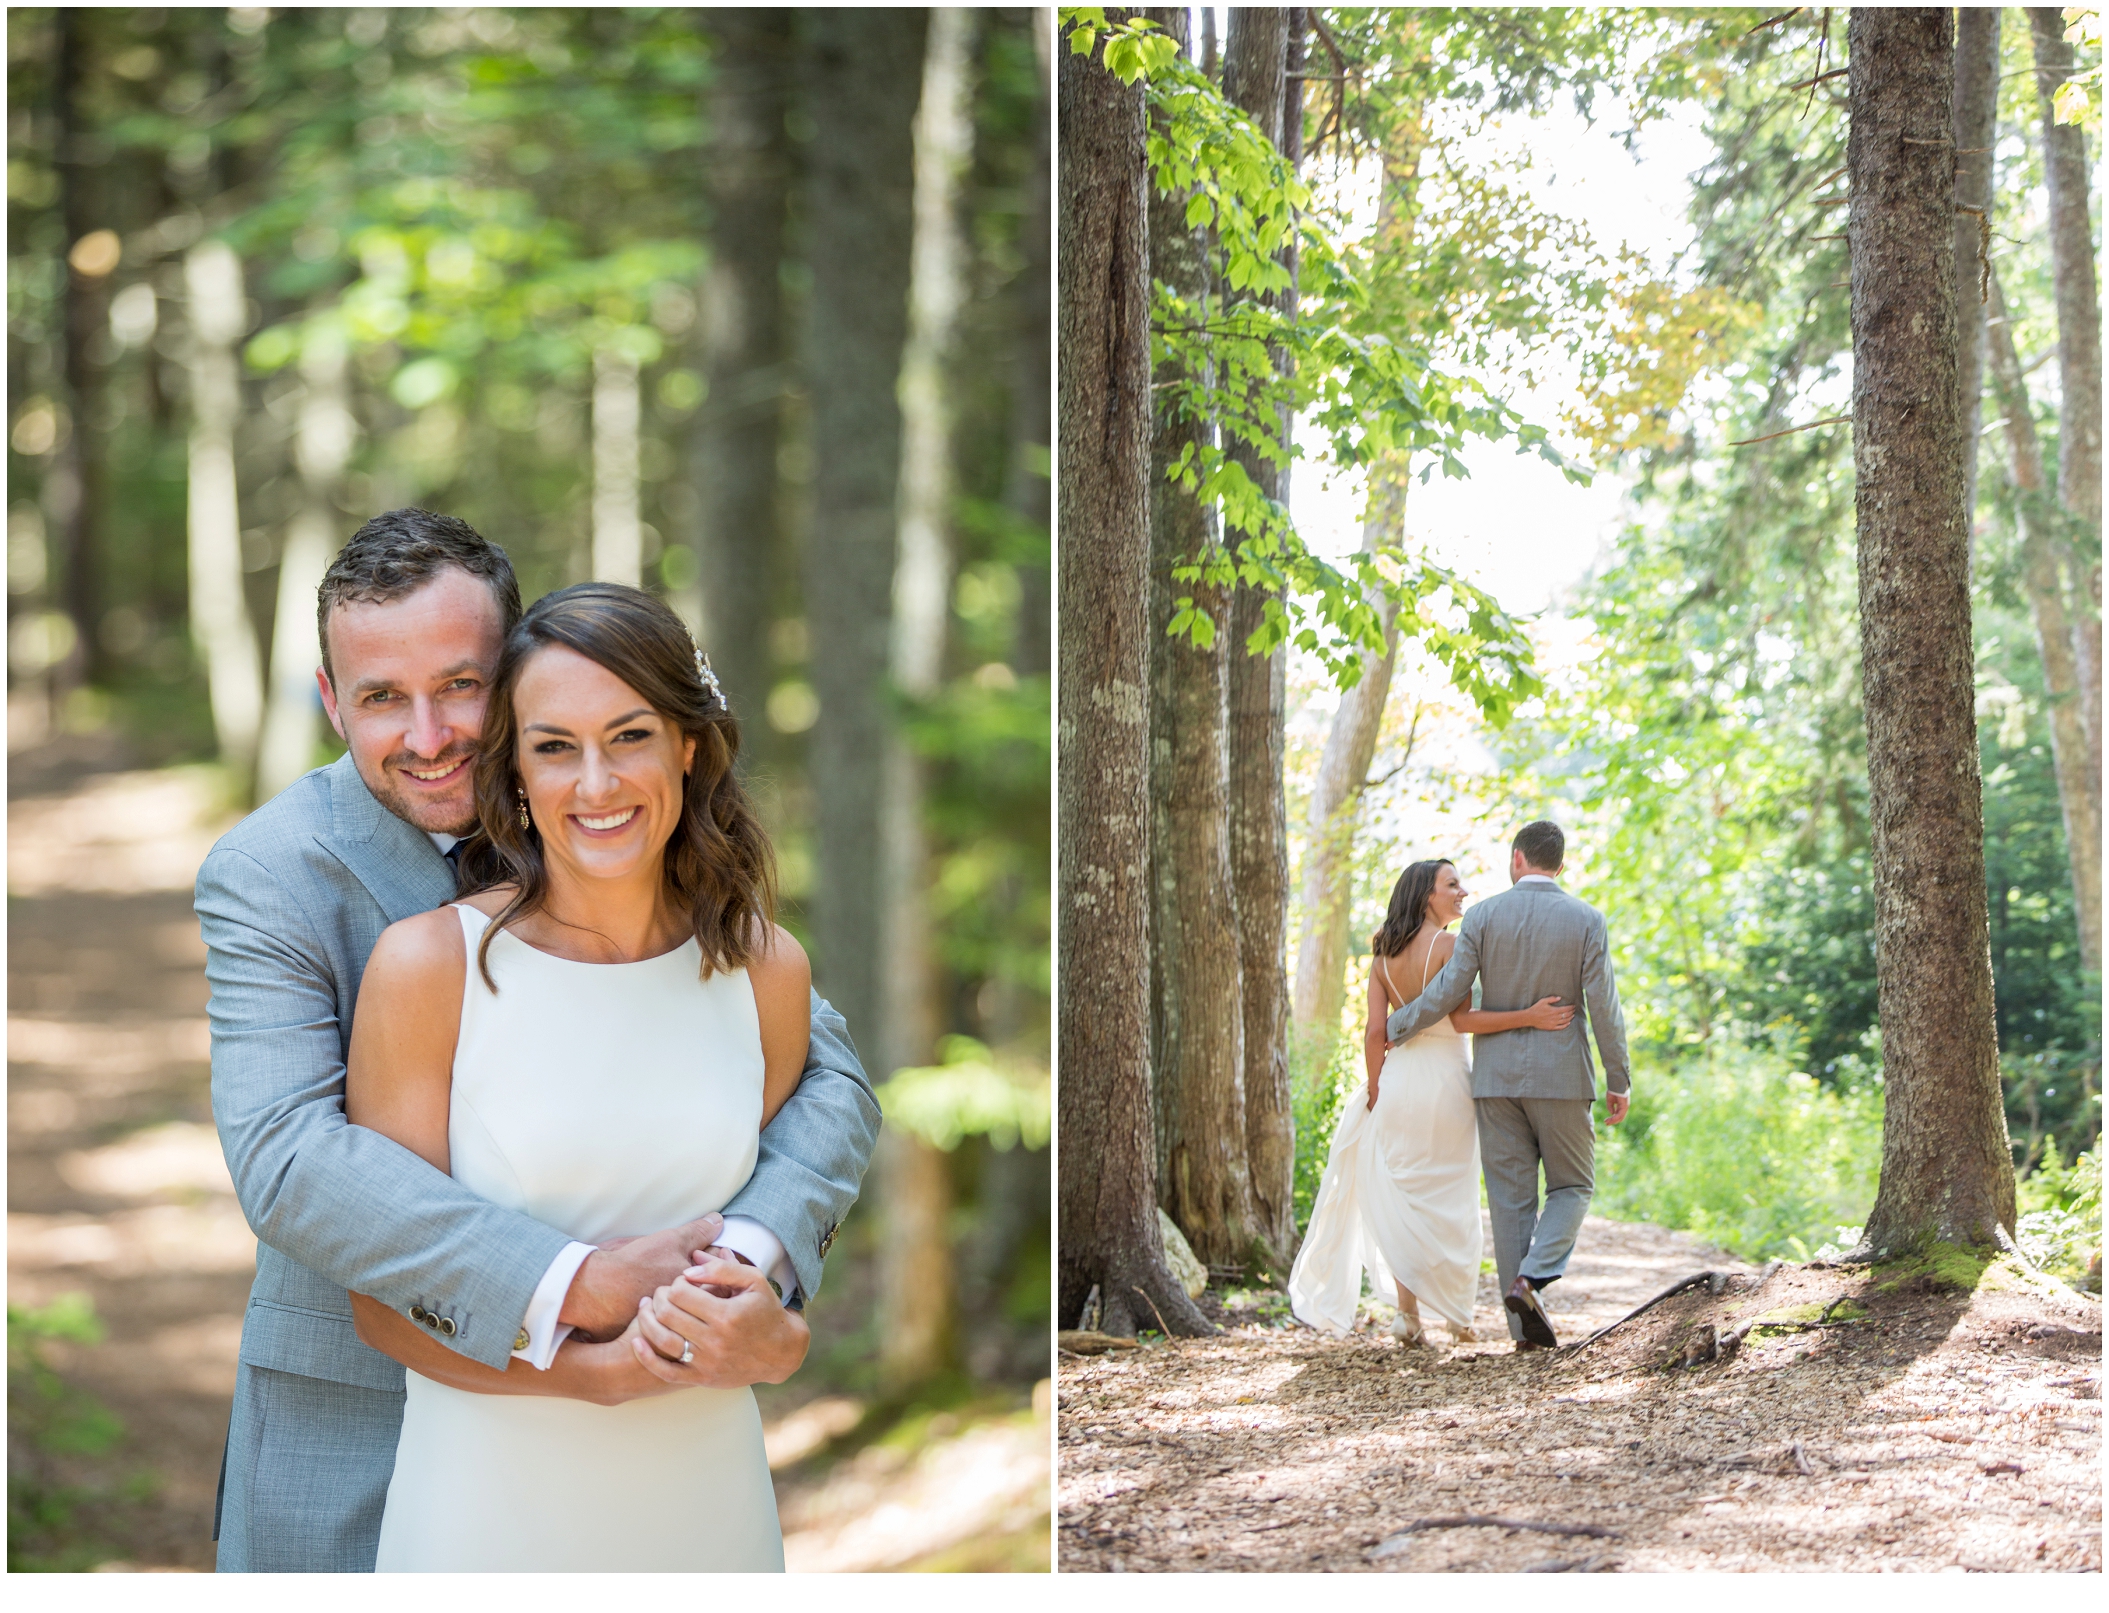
(1938, 1430)
(117, 1190)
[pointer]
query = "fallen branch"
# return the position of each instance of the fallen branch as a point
(1472, 1520)
(1693, 1281)
(1082, 1341)
(1836, 419)
(1154, 1311)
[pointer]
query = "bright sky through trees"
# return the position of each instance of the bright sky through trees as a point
(1517, 527)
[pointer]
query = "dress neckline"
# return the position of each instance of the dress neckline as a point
(484, 923)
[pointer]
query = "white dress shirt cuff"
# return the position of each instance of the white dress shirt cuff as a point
(763, 1250)
(540, 1327)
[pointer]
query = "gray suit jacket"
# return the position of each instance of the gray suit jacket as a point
(291, 902)
(1531, 941)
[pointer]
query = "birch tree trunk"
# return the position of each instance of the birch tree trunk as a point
(1107, 1196)
(918, 1298)
(322, 447)
(1327, 887)
(618, 541)
(1197, 1028)
(2079, 363)
(219, 614)
(1255, 77)
(740, 537)
(1946, 1169)
(2079, 801)
(862, 78)
(1975, 120)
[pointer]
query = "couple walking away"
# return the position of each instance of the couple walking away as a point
(1397, 1200)
(522, 1089)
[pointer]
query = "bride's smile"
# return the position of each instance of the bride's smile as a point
(601, 769)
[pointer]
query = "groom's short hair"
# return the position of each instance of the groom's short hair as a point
(397, 554)
(1543, 845)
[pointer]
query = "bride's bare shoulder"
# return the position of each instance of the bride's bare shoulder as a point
(424, 951)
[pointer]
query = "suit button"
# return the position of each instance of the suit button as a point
(520, 1340)
(431, 1321)
(827, 1242)
(417, 1313)
(446, 1326)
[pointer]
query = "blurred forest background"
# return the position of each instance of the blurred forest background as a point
(1358, 268)
(748, 307)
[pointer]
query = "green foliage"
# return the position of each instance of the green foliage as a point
(1741, 1151)
(1323, 1075)
(48, 1420)
(968, 1093)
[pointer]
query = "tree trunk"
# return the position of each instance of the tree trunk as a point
(863, 77)
(1255, 75)
(219, 612)
(1108, 1236)
(75, 498)
(1975, 120)
(1029, 485)
(1946, 1169)
(740, 547)
(919, 1292)
(1336, 795)
(618, 539)
(2079, 363)
(2078, 801)
(1198, 1032)
(321, 449)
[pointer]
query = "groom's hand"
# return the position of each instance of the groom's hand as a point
(1615, 1104)
(604, 1293)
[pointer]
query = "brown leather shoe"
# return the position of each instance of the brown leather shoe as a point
(1537, 1326)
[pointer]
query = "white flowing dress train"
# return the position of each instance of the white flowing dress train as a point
(1400, 1196)
(605, 1100)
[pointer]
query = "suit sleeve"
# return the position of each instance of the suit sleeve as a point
(1446, 993)
(814, 1153)
(340, 1199)
(1600, 996)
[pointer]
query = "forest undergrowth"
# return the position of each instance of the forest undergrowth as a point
(1912, 1418)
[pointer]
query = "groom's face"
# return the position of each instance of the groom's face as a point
(412, 679)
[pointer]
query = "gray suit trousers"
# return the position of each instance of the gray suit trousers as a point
(1516, 1135)
(305, 1475)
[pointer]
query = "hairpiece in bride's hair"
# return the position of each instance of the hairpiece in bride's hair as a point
(709, 680)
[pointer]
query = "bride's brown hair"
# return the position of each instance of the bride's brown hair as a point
(719, 865)
(1409, 907)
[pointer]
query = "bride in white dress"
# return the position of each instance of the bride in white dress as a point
(596, 1036)
(1400, 1196)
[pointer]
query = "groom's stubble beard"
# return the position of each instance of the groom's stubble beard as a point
(453, 812)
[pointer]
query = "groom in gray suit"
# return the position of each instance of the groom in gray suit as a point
(1532, 1089)
(412, 615)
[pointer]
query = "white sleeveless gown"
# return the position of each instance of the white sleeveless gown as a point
(604, 1100)
(1400, 1196)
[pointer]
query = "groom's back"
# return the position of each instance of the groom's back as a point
(1535, 941)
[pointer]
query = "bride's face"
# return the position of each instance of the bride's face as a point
(1447, 904)
(602, 769)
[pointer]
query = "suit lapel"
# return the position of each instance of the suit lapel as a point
(398, 865)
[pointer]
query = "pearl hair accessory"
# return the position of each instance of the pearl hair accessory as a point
(709, 679)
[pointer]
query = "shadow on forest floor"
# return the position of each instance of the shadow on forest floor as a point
(1927, 1429)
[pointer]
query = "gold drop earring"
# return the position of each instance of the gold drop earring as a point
(526, 822)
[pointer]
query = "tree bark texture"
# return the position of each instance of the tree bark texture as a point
(1107, 1199)
(322, 447)
(75, 500)
(1255, 77)
(1975, 129)
(863, 77)
(1198, 1032)
(1031, 435)
(219, 609)
(1327, 887)
(1946, 1169)
(2079, 798)
(918, 1304)
(2079, 359)
(741, 556)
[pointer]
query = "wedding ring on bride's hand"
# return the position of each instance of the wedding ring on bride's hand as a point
(688, 1352)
